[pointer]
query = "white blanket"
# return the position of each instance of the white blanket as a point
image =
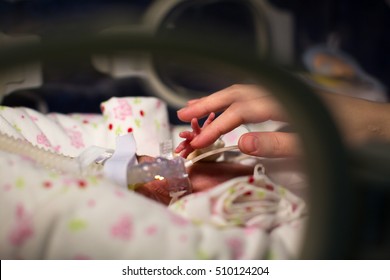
(47, 215)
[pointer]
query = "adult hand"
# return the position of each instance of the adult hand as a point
(241, 104)
(359, 120)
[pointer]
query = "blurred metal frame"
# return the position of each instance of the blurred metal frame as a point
(334, 210)
(269, 23)
(332, 206)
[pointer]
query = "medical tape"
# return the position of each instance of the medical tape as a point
(124, 156)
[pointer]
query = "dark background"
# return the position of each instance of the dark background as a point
(361, 28)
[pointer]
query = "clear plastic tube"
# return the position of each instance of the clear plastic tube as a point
(190, 162)
(43, 157)
(172, 170)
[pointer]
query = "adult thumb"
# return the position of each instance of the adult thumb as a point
(269, 144)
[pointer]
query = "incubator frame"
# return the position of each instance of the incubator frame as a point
(268, 20)
(324, 151)
(333, 204)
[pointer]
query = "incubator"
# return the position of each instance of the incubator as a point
(333, 208)
(162, 18)
(267, 31)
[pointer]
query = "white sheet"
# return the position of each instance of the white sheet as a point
(63, 216)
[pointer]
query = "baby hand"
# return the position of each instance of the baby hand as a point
(185, 148)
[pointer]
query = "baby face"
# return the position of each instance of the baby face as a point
(202, 175)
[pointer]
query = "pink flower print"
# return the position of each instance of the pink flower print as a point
(20, 211)
(151, 230)
(23, 228)
(75, 137)
(185, 148)
(33, 118)
(250, 230)
(42, 139)
(20, 233)
(158, 104)
(123, 110)
(91, 203)
(7, 187)
(123, 228)
(178, 220)
(119, 193)
(235, 244)
(183, 238)
(67, 181)
(294, 207)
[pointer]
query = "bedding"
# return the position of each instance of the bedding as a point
(50, 215)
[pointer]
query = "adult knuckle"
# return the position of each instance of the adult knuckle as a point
(277, 144)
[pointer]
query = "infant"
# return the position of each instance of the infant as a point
(202, 175)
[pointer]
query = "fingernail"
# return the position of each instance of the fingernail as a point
(249, 144)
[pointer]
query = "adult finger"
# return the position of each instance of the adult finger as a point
(219, 101)
(270, 144)
(238, 113)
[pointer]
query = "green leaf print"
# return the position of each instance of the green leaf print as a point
(77, 224)
(17, 128)
(137, 100)
(157, 123)
(118, 131)
(202, 255)
(137, 123)
(20, 183)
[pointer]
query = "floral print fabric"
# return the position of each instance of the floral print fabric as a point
(48, 215)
